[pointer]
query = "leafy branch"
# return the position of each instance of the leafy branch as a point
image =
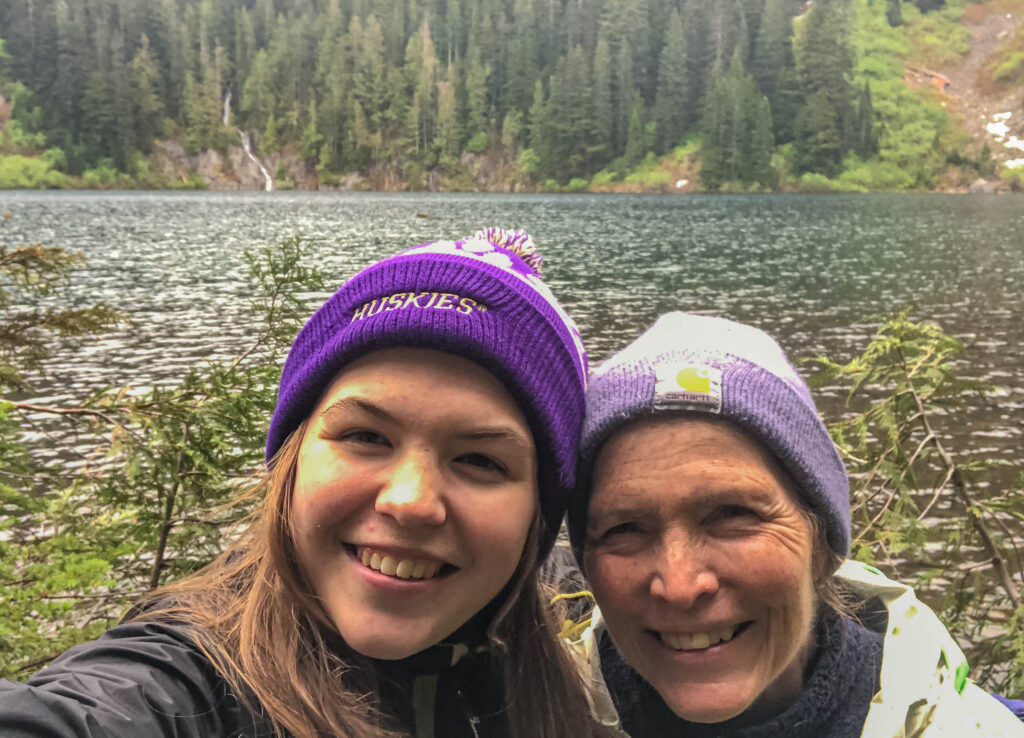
(904, 392)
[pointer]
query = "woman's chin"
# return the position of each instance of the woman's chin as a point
(712, 710)
(385, 646)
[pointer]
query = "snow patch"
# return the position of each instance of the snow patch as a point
(1014, 163)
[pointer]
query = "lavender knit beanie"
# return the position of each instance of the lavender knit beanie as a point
(480, 298)
(702, 364)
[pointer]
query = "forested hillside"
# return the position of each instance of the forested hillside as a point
(464, 94)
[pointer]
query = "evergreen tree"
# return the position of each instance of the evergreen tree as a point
(268, 141)
(448, 134)
(867, 139)
(699, 56)
(672, 100)
(737, 129)
(773, 47)
(511, 130)
(258, 98)
(827, 67)
(818, 143)
(894, 13)
(634, 152)
(540, 132)
(602, 116)
(625, 95)
(148, 106)
(311, 141)
(476, 93)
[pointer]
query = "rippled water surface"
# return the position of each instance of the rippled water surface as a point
(812, 270)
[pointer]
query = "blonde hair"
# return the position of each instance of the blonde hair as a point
(254, 615)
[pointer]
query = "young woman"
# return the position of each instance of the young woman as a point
(419, 458)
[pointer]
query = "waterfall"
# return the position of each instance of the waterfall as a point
(257, 162)
(227, 107)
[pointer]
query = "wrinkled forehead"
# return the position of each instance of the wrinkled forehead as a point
(666, 446)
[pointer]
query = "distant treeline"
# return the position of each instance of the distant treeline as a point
(569, 87)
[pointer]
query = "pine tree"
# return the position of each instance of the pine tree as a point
(625, 94)
(602, 116)
(268, 141)
(448, 135)
(699, 56)
(773, 48)
(817, 139)
(148, 107)
(827, 67)
(634, 152)
(540, 132)
(476, 93)
(420, 73)
(672, 100)
(893, 13)
(311, 140)
(511, 130)
(867, 139)
(258, 99)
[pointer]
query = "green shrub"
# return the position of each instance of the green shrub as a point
(650, 178)
(814, 182)
(1014, 178)
(605, 176)
(1009, 68)
(875, 176)
(577, 184)
(529, 161)
(477, 144)
(29, 173)
(692, 145)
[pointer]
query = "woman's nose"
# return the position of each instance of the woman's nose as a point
(412, 494)
(683, 576)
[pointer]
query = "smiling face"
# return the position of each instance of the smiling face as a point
(414, 494)
(700, 559)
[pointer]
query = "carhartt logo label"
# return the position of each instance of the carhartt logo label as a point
(420, 300)
(692, 379)
(688, 387)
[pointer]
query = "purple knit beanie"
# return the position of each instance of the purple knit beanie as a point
(480, 298)
(701, 364)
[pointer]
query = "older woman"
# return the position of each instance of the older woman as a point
(712, 519)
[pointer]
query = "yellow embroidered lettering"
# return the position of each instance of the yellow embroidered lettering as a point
(431, 301)
(445, 303)
(414, 299)
(360, 312)
(395, 301)
(466, 305)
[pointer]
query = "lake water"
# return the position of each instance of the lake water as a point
(812, 270)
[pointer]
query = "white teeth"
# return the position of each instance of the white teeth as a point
(697, 641)
(400, 568)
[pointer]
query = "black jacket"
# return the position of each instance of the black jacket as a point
(149, 680)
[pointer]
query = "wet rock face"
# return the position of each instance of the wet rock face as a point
(982, 186)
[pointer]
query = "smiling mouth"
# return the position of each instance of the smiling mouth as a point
(701, 641)
(396, 567)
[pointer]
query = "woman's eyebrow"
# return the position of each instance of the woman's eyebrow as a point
(498, 433)
(355, 404)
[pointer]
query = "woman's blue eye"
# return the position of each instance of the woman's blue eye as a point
(481, 461)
